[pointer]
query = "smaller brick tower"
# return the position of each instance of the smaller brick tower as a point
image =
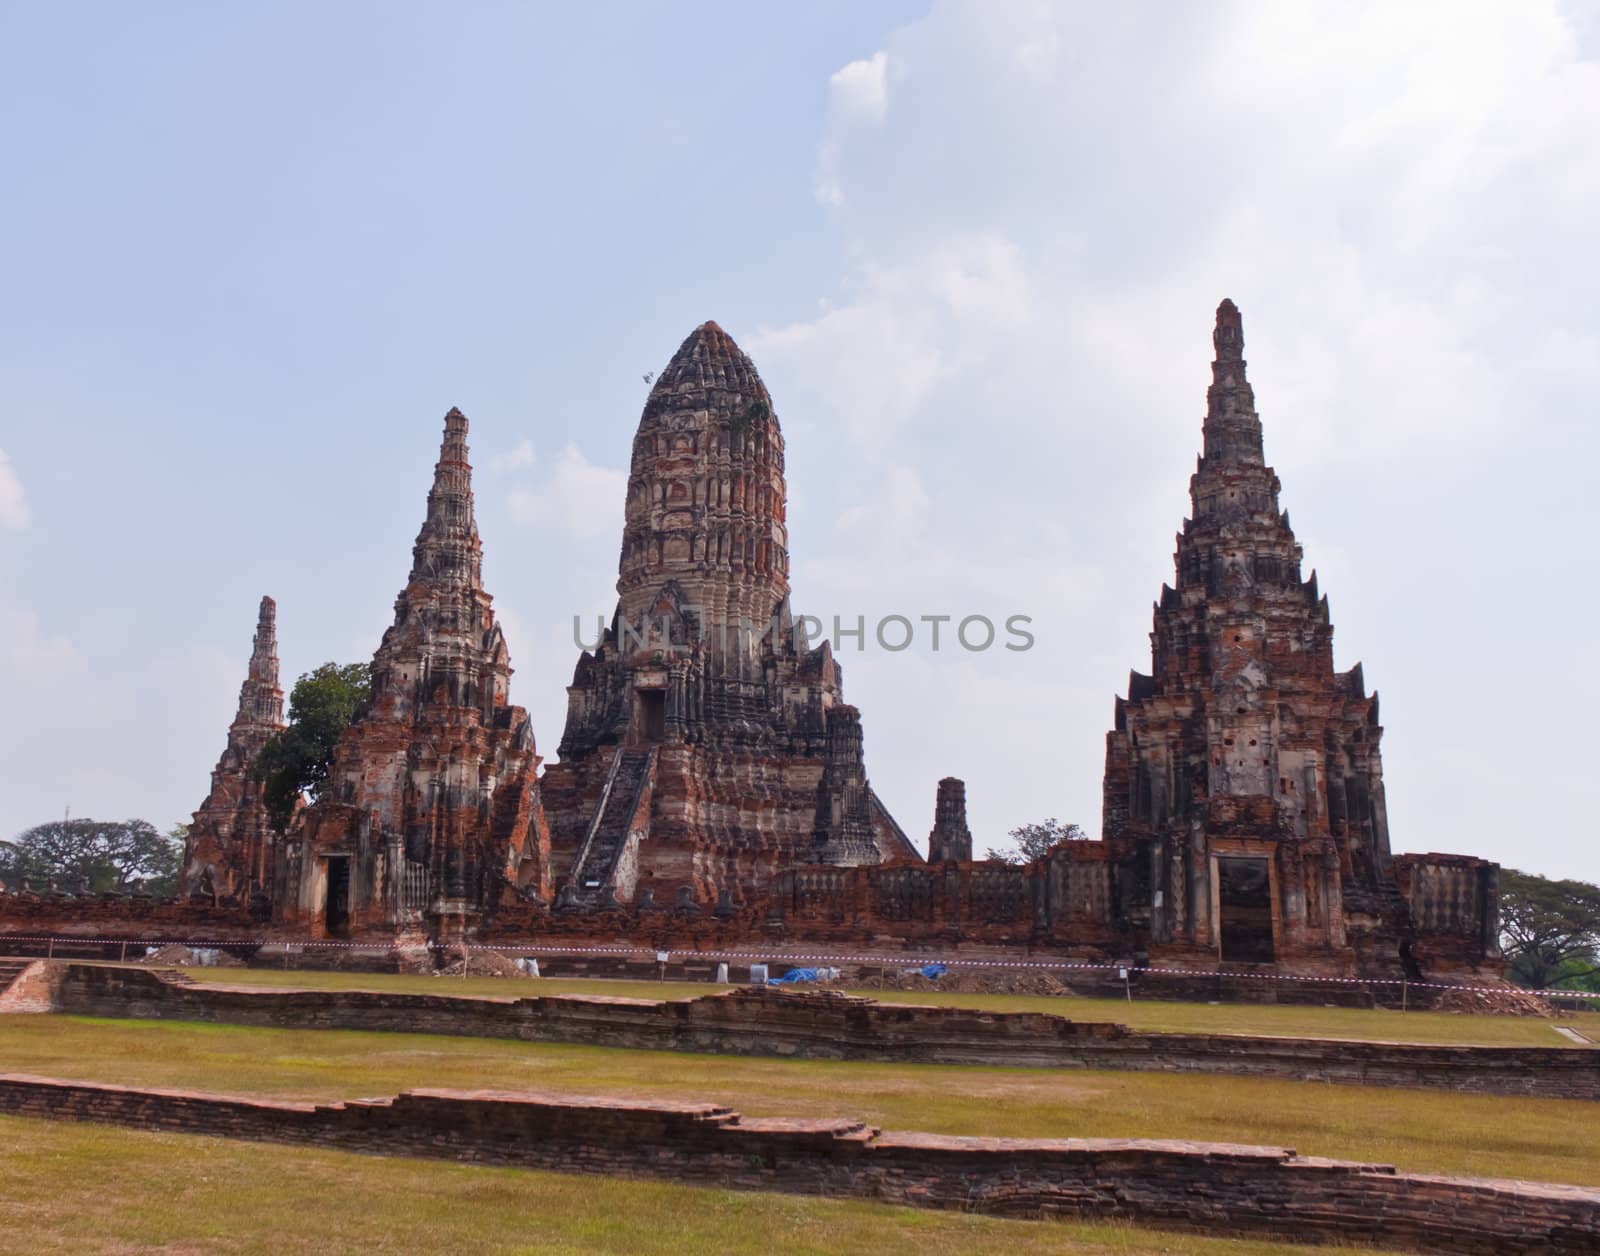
(432, 805)
(1243, 790)
(231, 843)
(951, 840)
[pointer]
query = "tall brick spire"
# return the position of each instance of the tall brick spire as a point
(260, 698)
(706, 496)
(229, 847)
(432, 803)
(1232, 427)
(1243, 742)
(445, 645)
(448, 551)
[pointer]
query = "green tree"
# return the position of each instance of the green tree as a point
(1032, 842)
(1576, 975)
(296, 760)
(98, 855)
(1549, 930)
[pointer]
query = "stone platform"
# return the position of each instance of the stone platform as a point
(826, 1026)
(1216, 1187)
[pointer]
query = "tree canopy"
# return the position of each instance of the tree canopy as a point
(1549, 930)
(1032, 842)
(94, 855)
(296, 760)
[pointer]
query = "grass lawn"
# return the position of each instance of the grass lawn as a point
(84, 1188)
(1231, 1018)
(1430, 1131)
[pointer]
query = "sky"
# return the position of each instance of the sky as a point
(251, 254)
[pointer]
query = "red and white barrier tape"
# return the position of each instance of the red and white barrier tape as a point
(534, 950)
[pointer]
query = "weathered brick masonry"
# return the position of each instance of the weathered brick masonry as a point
(1204, 1186)
(231, 847)
(432, 806)
(27, 985)
(707, 742)
(836, 1027)
(712, 783)
(1244, 815)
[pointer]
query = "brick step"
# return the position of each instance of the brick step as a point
(611, 827)
(22, 996)
(10, 970)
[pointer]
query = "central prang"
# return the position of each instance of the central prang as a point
(707, 745)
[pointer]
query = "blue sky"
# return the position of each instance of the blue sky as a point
(251, 255)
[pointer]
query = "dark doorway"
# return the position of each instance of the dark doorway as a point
(1244, 896)
(650, 717)
(336, 915)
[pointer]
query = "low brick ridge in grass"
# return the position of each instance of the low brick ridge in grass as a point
(1218, 1187)
(822, 1025)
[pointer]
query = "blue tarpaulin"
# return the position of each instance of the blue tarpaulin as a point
(793, 975)
(934, 971)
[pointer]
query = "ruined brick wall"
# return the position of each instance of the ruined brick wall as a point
(837, 1027)
(1454, 906)
(1063, 901)
(1203, 1186)
(122, 916)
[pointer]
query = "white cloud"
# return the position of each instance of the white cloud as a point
(1562, 350)
(28, 655)
(517, 458)
(894, 519)
(859, 92)
(828, 190)
(113, 767)
(14, 512)
(1381, 223)
(858, 95)
(983, 280)
(579, 499)
(1012, 361)
(877, 358)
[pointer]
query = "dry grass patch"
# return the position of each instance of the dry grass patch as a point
(1426, 1131)
(474, 987)
(1374, 1025)
(83, 1188)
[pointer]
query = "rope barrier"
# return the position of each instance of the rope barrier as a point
(832, 959)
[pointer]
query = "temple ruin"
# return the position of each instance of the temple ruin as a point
(711, 781)
(432, 804)
(1244, 823)
(707, 744)
(231, 847)
(1243, 796)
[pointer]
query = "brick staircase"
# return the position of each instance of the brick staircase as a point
(608, 831)
(24, 985)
